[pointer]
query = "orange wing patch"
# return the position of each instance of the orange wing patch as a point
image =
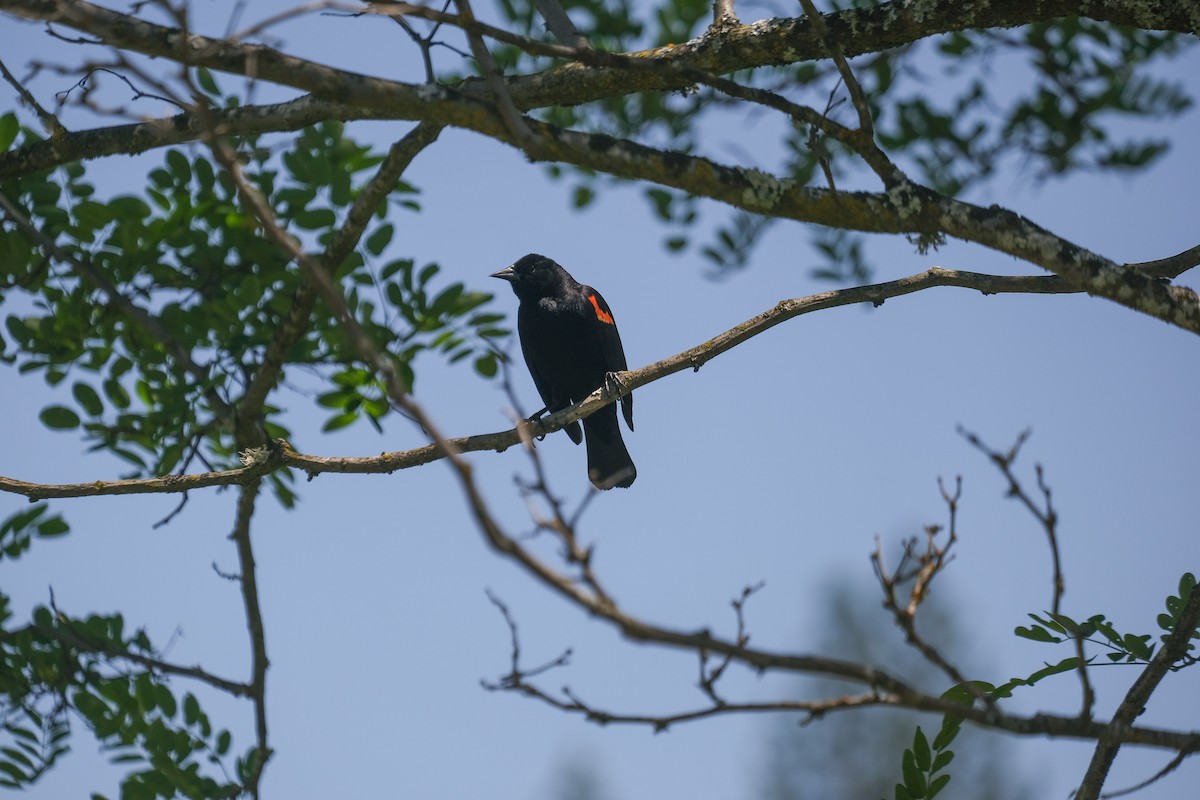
(601, 314)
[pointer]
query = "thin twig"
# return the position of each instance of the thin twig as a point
(1044, 515)
(513, 120)
(50, 121)
(723, 16)
(865, 144)
(1048, 517)
(1170, 267)
(516, 675)
(925, 567)
(1171, 766)
(560, 24)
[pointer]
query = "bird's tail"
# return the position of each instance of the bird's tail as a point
(608, 461)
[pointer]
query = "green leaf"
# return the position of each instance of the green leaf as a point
(179, 166)
(582, 196)
(54, 526)
(315, 219)
(1037, 633)
(1068, 625)
(950, 727)
(191, 709)
(14, 772)
(87, 397)
(426, 274)
(116, 393)
(921, 750)
(206, 81)
(380, 238)
(914, 779)
(937, 785)
(59, 418)
(661, 200)
(942, 760)
(1137, 646)
(962, 694)
(486, 365)
(165, 700)
(9, 128)
(339, 421)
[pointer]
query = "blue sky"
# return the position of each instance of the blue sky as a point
(779, 462)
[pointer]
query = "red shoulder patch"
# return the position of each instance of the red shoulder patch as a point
(601, 314)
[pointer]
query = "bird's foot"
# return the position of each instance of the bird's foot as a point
(534, 418)
(613, 385)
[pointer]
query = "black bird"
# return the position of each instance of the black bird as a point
(570, 342)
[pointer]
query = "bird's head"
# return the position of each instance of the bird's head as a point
(534, 276)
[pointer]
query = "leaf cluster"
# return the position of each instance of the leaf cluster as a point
(923, 764)
(1123, 648)
(923, 760)
(57, 665)
(213, 294)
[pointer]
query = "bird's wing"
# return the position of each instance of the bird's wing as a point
(610, 344)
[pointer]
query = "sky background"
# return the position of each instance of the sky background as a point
(779, 462)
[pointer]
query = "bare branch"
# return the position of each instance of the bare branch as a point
(49, 121)
(925, 566)
(865, 135)
(1048, 517)
(815, 708)
(281, 17)
(516, 675)
(513, 120)
(254, 622)
(724, 16)
(1170, 267)
(1045, 515)
(1171, 766)
(560, 24)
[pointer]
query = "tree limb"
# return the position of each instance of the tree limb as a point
(1174, 648)
(280, 454)
(763, 43)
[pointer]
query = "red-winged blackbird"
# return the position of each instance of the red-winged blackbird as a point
(570, 342)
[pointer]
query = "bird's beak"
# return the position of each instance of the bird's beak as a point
(506, 274)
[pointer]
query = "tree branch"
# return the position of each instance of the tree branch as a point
(1170, 267)
(1174, 648)
(764, 43)
(560, 24)
(248, 579)
(905, 208)
(280, 454)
